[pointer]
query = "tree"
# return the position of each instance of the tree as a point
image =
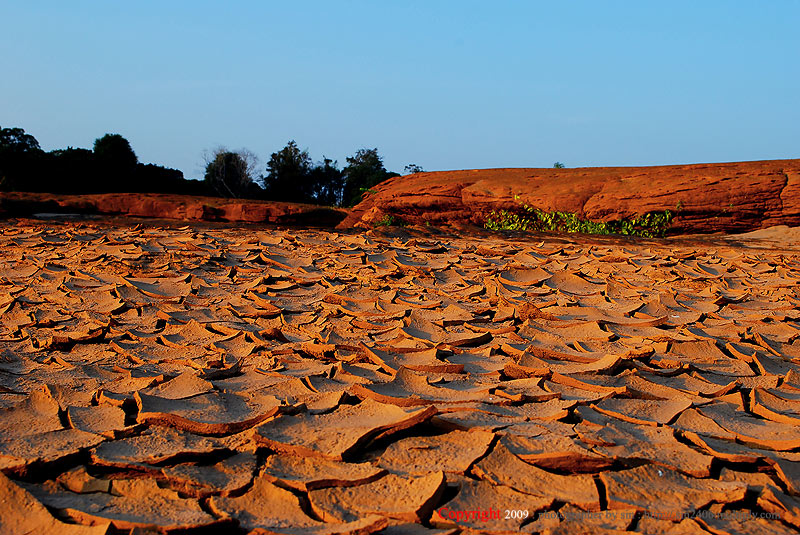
(76, 171)
(558, 165)
(327, 182)
(22, 161)
(364, 170)
(114, 151)
(15, 139)
(115, 162)
(412, 168)
(289, 175)
(152, 178)
(230, 174)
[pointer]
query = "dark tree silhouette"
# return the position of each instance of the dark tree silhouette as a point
(22, 161)
(15, 139)
(115, 163)
(111, 167)
(364, 170)
(412, 168)
(326, 183)
(230, 174)
(114, 151)
(76, 171)
(288, 175)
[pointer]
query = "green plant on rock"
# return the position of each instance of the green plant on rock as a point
(649, 225)
(505, 220)
(386, 221)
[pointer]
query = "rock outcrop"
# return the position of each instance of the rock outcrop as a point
(727, 197)
(165, 206)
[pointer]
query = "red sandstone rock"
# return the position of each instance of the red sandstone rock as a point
(738, 196)
(167, 206)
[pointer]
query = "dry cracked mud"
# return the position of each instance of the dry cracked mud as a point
(208, 379)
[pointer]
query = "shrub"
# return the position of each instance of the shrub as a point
(649, 225)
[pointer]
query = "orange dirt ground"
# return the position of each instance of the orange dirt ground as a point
(205, 379)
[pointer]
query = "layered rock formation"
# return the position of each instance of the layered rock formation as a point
(164, 206)
(727, 197)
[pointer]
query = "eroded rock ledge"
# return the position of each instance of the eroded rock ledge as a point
(727, 197)
(165, 206)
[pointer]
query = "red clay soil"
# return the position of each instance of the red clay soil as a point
(167, 206)
(726, 197)
(227, 380)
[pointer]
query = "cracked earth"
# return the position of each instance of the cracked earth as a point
(158, 379)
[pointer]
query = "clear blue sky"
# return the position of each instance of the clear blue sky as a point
(444, 84)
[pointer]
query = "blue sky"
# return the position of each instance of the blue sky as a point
(444, 84)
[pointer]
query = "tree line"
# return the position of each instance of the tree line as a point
(112, 166)
(291, 175)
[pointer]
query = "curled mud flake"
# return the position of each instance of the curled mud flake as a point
(409, 499)
(659, 489)
(157, 445)
(214, 413)
(571, 283)
(451, 452)
(482, 506)
(554, 452)
(422, 361)
(185, 385)
(769, 406)
(229, 475)
(21, 513)
(409, 388)
(642, 411)
(130, 504)
(309, 473)
(105, 420)
(501, 467)
(161, 288)
(80, 481)
(339, 433)
(751, 430)
(787, 507)
(269, 509)
(632, 443)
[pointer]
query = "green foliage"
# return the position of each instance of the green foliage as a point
(649, 225)
(505, 220)
(558, 165)
(389, 220)
(386, 221)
